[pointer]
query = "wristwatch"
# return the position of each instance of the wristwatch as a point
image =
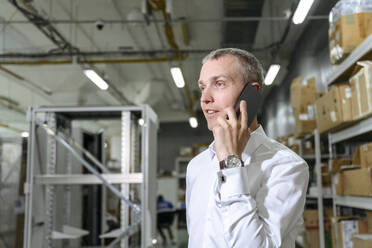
(231, 161)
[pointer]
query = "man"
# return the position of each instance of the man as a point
(165, 216)
(246, 190)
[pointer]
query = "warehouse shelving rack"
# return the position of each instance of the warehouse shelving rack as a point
(343, 70)
(43, 152)
(319, 196)
(180, 167)
(356, 132)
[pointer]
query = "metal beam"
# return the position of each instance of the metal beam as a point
(88, 179)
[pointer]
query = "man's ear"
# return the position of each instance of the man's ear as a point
(257, 86)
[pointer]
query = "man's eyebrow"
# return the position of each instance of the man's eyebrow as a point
(200, 82)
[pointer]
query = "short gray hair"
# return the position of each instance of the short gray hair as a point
(252, 70)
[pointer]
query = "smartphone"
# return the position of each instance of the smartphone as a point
(253, 99)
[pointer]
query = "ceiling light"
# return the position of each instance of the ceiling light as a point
(96, 79)
(193, 122)
(177, 77)
(302, 10)
(24, 134)
(271, 74)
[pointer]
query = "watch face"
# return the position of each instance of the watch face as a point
(233, 161)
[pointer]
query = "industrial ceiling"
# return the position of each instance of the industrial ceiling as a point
(46, 44)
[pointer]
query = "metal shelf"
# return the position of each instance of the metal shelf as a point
(316, 196)
(354, 201)
(338, 70)
(359, 128)
(312, 157)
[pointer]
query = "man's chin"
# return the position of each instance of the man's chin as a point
(211, 126)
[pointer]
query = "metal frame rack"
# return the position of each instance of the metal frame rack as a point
(338, 73)
(45, 171)
(319, 196)
(181, 173)
(353, 132)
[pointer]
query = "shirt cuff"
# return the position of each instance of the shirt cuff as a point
(235, 182)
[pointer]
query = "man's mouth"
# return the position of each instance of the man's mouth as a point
(211, 113)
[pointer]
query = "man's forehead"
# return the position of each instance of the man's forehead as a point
(225, 66)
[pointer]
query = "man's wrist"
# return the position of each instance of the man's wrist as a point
(231, 161)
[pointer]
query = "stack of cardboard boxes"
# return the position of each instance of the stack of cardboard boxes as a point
(312, 227)
(334, 108)
(350, 24)
(346, 103)
(348, 227)
(357, 181)
(303, 96)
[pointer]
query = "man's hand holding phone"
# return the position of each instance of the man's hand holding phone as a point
(231, 135)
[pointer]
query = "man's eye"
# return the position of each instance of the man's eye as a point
(220, 84)
(201, 88)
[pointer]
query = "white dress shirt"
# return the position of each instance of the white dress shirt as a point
(258, 205)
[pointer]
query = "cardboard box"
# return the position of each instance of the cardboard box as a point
(362, 241)
(312, 238)
(363, 156)
(308, 148)
(312, 226)
(361, 89)
(336, 163)
(354, 182)
(295, 148)
(347, 33)
(303, 94)
(366, 155)
(334, 108)
(347, 227)
(326, 179)
(311, 218)
(369, 220)
(303, 125)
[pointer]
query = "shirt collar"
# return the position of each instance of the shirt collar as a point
(254, 141)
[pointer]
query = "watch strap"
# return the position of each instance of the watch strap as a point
(222, 164)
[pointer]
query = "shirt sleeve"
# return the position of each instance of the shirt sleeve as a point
(262, 217)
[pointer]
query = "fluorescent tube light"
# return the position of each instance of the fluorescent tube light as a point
(177, 77)
(193, 122)
(96, 79)
(302, 10)
(271, 74)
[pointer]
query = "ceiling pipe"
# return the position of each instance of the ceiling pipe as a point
(4, 125)
(172, 55)
(103, 61)
(178, 20)
(32, 84)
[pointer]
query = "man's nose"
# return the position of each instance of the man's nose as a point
(206, 96)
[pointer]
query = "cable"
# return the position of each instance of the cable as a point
(7, 22)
